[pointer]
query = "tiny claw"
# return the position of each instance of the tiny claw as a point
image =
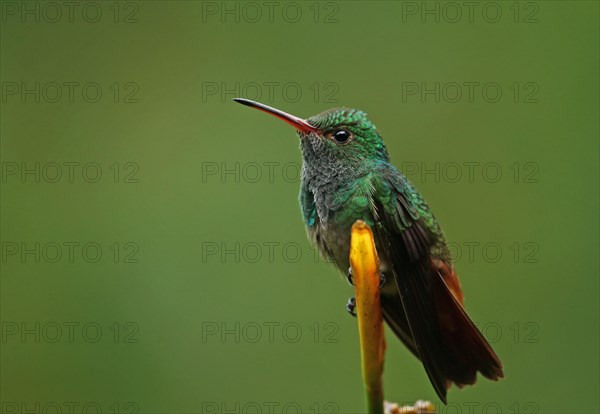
(350, 277)
(351, 306)
(382, 280)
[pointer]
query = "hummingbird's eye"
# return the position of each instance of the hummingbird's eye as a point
(341, 136)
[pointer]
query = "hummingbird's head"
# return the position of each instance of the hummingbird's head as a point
(345, 133)
(339, 135)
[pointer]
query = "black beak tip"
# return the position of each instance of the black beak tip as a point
(243, 101)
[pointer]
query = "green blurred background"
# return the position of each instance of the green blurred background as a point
(206, 296)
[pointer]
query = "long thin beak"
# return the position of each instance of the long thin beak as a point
(298, 123)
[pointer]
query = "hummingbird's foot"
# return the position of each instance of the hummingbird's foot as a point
(349, 276)
(350, 306)
(382, 280)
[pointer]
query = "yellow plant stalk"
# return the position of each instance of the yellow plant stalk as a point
(365, 272)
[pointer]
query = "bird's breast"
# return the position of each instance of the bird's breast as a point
(332, 238)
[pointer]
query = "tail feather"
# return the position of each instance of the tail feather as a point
(469, 349)
(427, 315)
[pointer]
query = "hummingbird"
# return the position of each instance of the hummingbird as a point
(346, 176)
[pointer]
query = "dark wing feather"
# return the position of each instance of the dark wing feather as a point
(427, 318)
(396, 319)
